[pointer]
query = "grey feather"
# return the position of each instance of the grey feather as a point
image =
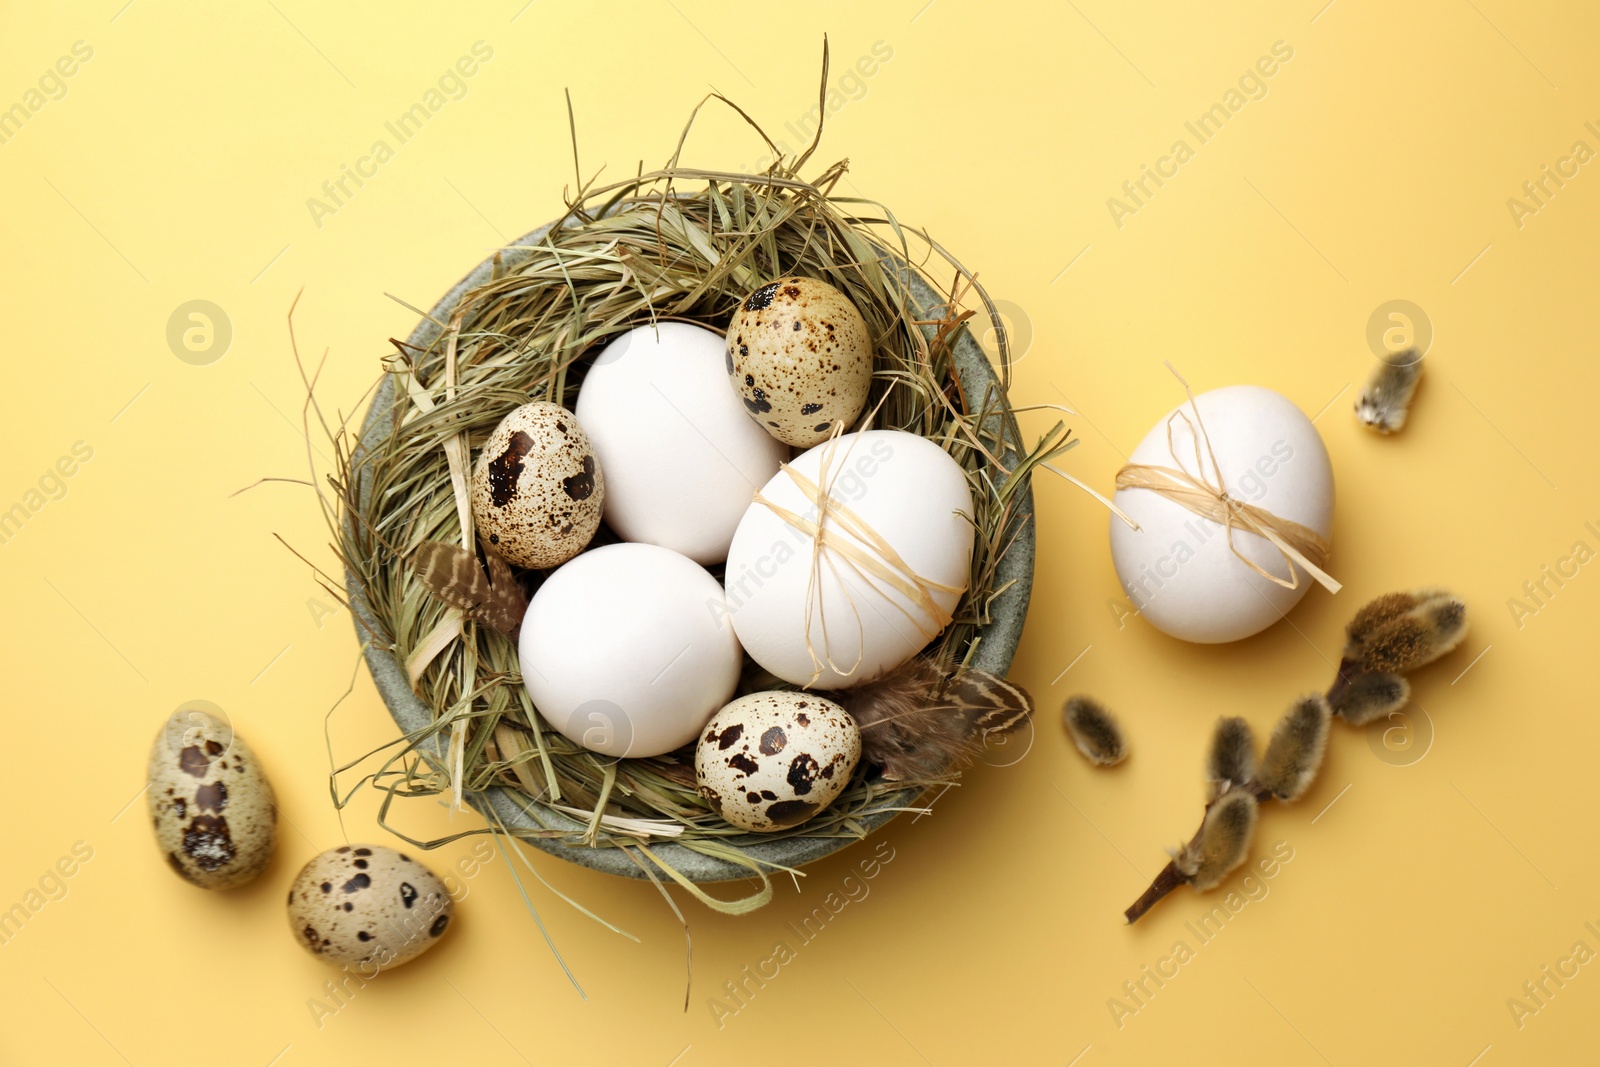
(919, 722)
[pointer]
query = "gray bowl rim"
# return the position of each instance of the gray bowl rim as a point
(994, 653)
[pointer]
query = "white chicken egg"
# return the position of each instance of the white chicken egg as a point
(769, 761)
(1177, 568)
(627, 650)
(681, 457)
(896, 558)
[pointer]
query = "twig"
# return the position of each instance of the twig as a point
(1388, 637)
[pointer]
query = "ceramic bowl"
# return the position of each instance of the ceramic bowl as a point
(994, 652)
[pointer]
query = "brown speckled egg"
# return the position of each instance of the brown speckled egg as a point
(769, 761)
(368, 905)
(212, 806)
(537, 489)
(800, 358)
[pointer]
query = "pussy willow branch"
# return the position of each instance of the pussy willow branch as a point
(1170, 877)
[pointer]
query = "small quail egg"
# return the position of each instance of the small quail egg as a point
(213, 809)
(800, 358)
(769, 761)
(367, 904)
(537, 489)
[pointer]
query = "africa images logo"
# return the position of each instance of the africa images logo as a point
(352, 178)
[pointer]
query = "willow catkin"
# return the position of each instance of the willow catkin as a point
(1373, 614)
(1095, 731)
(1294, 754)
(1386, 399)
(1223, 842)
(1231, 759)
(1370, 697)
(1420, 636)
(1390, 634)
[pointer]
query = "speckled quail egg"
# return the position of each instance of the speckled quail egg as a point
(212, 806)
(800, 358)
(367, 904)
(769, 761)
(537, 488)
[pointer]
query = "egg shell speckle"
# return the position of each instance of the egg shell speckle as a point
(769, 761)
(537, 488)
(212, 807)
(367, 904)
(800, 358)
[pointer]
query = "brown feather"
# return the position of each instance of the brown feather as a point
(452, 574)
(507, 602)
(918, 722)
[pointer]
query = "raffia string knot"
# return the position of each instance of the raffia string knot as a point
(1211, 500)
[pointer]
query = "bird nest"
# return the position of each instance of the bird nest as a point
(674, 244)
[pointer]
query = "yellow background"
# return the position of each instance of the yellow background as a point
(1378, 165)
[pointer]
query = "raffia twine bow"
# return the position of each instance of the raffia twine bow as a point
(840, 536)
(1296, 543)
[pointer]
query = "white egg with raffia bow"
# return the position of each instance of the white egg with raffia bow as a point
(627, 650)
(681, 457)
(1179, 570)
(895, 557)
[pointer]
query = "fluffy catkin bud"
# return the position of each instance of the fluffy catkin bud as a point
(1294, 754)
(1095, 731)
(1231, 759)
(1386, 400)
(1423, 634)
(1370, 697)
(1375, 613)
(1223, 843)
(1379, 612)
